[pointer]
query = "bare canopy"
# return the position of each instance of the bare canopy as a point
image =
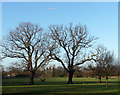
(104, 63)
(72, 41)
(27, 41)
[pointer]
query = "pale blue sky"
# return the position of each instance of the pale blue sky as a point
(101, 18)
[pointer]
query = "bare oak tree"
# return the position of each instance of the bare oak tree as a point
(71, 41)
(107, 59)
(27, 41)
(104, 63)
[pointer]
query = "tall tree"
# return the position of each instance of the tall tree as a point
(27, 41)
(71, 41)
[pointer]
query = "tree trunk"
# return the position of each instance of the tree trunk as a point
(99, 79)
(32, 78)
(106, 82)
(70, 77)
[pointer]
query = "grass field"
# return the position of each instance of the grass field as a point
(58, 86)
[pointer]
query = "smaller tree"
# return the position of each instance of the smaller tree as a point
(104, 63)
(108, 65)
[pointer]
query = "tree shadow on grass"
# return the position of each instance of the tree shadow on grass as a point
(92, 82)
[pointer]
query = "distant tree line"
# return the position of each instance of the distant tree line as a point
(52, 71)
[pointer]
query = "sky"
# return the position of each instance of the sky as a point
(101, 18)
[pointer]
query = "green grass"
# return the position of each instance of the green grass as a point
(53, 86)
